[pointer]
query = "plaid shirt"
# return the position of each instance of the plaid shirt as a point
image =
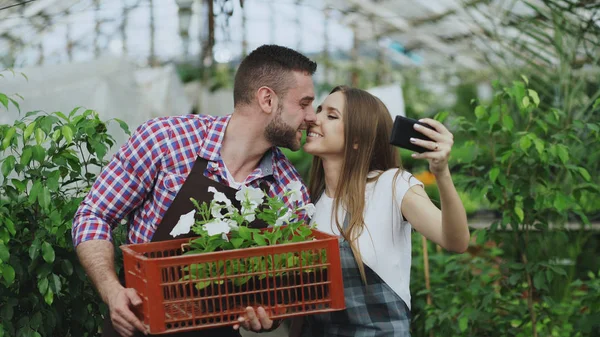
(144, 176)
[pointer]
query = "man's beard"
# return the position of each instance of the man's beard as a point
(280, 134)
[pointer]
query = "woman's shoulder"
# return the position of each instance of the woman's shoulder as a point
(390, 175)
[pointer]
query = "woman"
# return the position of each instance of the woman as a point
(362, 194)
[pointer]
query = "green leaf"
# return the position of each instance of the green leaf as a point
(36, 320)
(596, 104)
(40, 136)
(480, 112)
(563, 153)
(519, 213)
(481, 237)
(4, 100)
(39, 153)
(8, 137)
(28, 131)
(123, 125)
(34, 250)
(48, 252)
(4, 252)
(525, 101)
(10, 226)
(67, 267)
(259, 239)
(61, 115)
(539, 281)
(463, 323)
(56, 135)
(494, 117)
(525, 143)
(508, 122)
(584, 173)
(55, 283)
(8, 165)
(245, 233)
(8, 273)
(35, 190)
(74, 111)
(534, 95)
(44, 197)
(16, 104)
(539, 145)
(26, 156)
(441, 116)
(525, 79)
(49, 297)
(561, 202)
(43, 285)
(237, 242)
(494, 174)
(68, 133)
(53, 181)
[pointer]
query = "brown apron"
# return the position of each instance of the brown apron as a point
(196, 186)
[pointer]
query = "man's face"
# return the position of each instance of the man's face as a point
(294, 113)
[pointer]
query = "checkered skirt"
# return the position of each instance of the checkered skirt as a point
(371, 311)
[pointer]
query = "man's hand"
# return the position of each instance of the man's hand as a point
(252, 321)
(121, 302)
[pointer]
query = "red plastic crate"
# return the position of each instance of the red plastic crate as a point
(287, 280)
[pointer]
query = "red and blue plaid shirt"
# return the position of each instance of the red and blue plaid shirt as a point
(144, 176)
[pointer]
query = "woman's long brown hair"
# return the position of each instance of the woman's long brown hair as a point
(367, 124)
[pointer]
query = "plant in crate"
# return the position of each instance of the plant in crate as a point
(221, 226)
(208, 280)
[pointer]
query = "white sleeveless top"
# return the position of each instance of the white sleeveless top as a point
(385, 244)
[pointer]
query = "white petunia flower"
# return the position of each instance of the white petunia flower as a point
(249, 198)
(310, 210)
(217, 227)
(294, 191)
(284, 219)
(219, 196)
(250, 194)
(184, 225)
(232, 224)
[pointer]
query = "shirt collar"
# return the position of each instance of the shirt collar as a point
(211, 149)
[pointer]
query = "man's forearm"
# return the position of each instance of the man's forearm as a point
(97, 258)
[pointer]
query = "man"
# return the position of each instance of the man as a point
(169, 159)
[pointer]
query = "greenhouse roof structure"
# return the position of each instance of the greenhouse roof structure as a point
(469, 34)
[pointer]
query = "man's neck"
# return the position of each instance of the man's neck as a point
(244, 144)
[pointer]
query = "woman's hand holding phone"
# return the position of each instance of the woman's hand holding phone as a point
(439, 145)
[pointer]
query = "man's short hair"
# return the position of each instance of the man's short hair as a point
(271, 66)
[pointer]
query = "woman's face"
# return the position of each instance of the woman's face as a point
(325, 137)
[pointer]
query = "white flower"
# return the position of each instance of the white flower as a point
(232, 224)
(249, 198)
(219, 196)
(250, 194)
(310, 210)
(184, 225)
(218, 226)
(284, 219)
(294, 191)
(249, 214)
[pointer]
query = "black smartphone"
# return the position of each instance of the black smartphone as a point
(404, 130)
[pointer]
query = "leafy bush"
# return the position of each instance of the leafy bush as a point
(514, 282)
(478, 294)
(48, 161)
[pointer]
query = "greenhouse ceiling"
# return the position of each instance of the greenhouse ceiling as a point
(470, 34)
